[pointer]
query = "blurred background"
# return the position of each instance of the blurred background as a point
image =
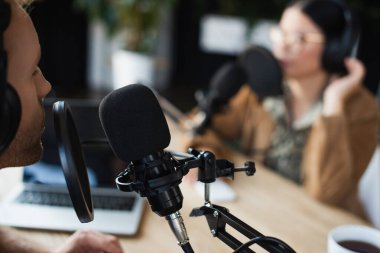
(90, 47)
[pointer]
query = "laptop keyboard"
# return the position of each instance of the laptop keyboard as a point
(63, 199)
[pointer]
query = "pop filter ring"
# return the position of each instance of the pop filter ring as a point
(71, 156)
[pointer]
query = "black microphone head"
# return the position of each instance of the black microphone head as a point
(227, 80)
(263, 71)
(134, 122)
(224, 84)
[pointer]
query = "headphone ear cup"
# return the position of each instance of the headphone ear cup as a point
(10, 117)
(334, 53)
(338, 47)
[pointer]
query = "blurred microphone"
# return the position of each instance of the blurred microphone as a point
(225, 83)
(138, 134)
(262, 71)
(256, 66)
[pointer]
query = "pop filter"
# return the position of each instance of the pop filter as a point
(263, 72)
(71, 156)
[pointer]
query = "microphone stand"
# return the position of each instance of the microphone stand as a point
(217, 216)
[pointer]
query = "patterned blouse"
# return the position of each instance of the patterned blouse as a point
(288, 140)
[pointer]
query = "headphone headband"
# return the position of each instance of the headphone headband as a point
(4, 22)
(5, 15)
(10, 106)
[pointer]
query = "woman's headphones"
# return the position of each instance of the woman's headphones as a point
(341, 45)
(10, 106)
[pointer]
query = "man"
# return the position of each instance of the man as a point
(23, 51)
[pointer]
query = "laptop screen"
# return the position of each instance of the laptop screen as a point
(102, 165)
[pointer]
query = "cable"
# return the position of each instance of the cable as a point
(187, 248)
(268, 241)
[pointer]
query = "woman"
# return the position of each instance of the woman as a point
(322, 132)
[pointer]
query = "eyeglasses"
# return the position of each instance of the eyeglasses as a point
(295, 40)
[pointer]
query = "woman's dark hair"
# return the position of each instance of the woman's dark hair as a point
(328, 15)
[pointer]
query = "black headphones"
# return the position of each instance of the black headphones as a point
(10, 106)
(342, 45)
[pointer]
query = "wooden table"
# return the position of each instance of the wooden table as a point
(267, 202)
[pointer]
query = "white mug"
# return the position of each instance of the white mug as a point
(352, 233)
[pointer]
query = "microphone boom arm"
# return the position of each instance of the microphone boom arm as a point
(217, 217)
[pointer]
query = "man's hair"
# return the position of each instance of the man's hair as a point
(24, 2)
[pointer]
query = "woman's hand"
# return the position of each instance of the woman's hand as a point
(342, 87)
(85, 241)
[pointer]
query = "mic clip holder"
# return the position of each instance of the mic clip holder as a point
(157, 177)
(209, 170)
(128, 182)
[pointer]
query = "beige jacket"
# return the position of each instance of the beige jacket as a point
(336, 154)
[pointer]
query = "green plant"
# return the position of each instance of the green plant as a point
(138, 17)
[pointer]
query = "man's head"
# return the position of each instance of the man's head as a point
(23, 54)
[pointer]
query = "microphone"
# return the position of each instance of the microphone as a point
(262, 70)
(256, 66)
(138, 133)
(225, 83)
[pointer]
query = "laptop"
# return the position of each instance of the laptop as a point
(41, 200)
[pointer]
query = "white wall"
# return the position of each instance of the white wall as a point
(369, 189)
